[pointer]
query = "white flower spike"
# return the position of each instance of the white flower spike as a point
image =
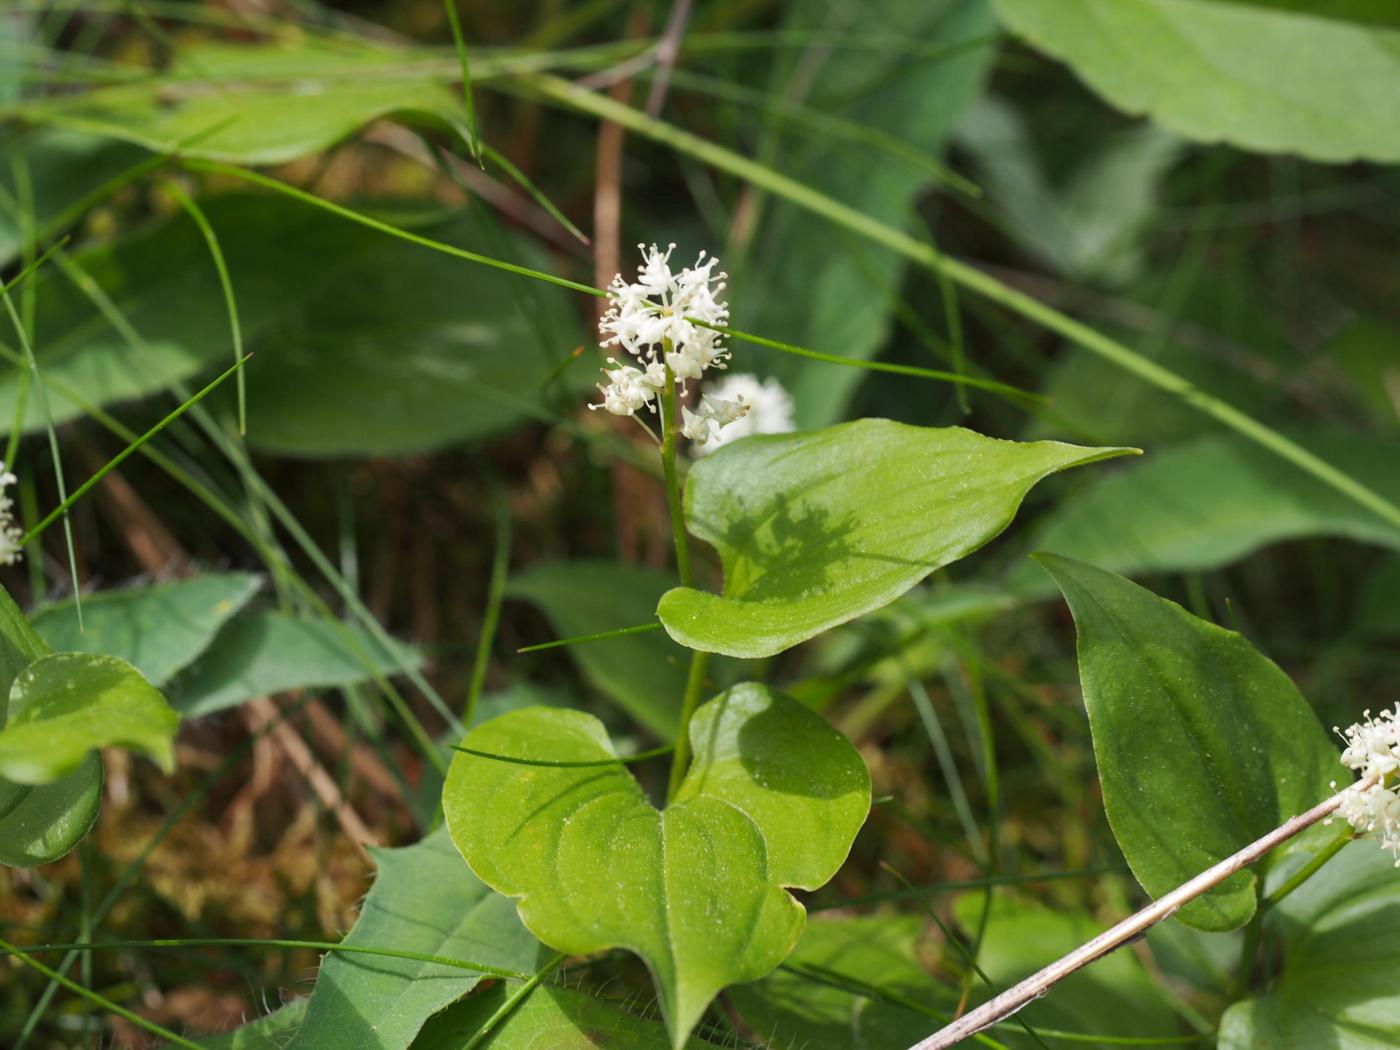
(648, 319)
(767, 409)
(1373, 750)
(10, 533)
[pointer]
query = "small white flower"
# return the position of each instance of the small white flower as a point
(694, 426)
(704, 423)
(767, 408)
(627, 388)
(650, 319)
(10, 533)
(1373, 750)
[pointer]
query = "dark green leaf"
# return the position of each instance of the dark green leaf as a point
(550, 1018)
(1341, 951)
(1203, 744)
(1214, 501)
(837, 298)
(41, 824)
(423, 900)
(265, 653)
(158, 628)
(818, 528)
(773, 799)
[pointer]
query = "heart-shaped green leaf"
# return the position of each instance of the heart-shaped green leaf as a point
(818, 528)
(774, 799)
(65, 705)
(1203, 744)
(1341, 951)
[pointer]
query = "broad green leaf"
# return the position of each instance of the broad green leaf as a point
(66, 705)
(258, 104)
(816, 529)
(1341, 951)
(1263, 75)
(428, 351)
(266, 1033)
(1203, 744)
(549, 1018)
(1092, 227)
(837, 297)
(773, 799)
(805, 1003)
(1214, 501)
(39, 824)
(644, 674)
(1113, 997)
(264, 653)
(423, 900)
(159, 628)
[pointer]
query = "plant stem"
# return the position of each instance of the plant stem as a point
(1309, 869)
(1033, 987)
(694, 689)
(673, 488)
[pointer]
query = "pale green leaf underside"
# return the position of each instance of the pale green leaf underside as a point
(65, 705)
(1341, 945)
(817, 528)
(774, 799)
(1203, 744)
(1265, 76)
(425, 900)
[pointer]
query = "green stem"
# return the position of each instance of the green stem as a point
(673, 488)
(694, 689)
(1309, 869)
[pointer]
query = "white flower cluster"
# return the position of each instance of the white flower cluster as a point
(650, 320)
(10, 533)
(768, 409)
(1373, 750)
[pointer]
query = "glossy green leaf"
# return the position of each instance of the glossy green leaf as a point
(549, 1018)
(266, 1033)
(423, 900)
(65, 705)
(818, 528)
(1210, 69)
(811, 1001)
(265, 653)
(837, 296)
(1203, 744)
(334, 374)
(1112, 998)
(39, 824)
(270, 102)
(773, 800)
(159, 628)
(1214, 501)
(644, 674)
(1341, 950)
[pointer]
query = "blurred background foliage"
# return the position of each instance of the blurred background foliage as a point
(403, 403)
